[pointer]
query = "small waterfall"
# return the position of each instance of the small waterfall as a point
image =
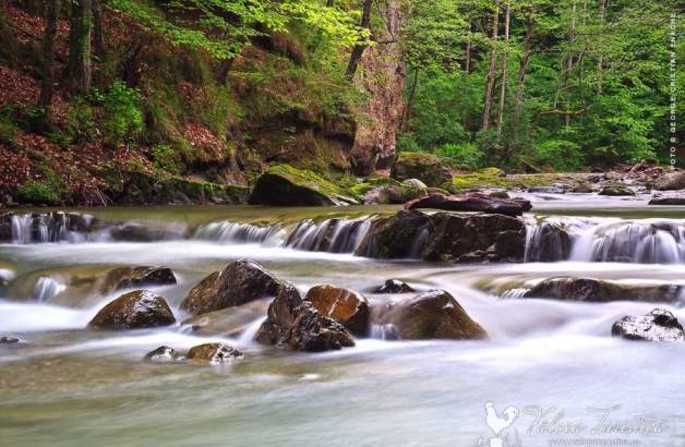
(50, 227)
(646, 242)
(383, 332)
(332, 235)
(46, 288)
(416, 250)
(240, 233)
(512, 294)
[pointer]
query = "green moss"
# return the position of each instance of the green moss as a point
(37, 193)
(309, 179)
(493, 178)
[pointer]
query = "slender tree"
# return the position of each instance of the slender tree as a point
(490, 84)
(358, 49)
(52, 9)
(503, 82)
(79, 68)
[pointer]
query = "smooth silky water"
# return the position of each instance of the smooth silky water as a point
(72, 387)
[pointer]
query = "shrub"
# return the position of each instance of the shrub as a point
(466, 156)
(37, 193)
(165, 158)
(123, 117)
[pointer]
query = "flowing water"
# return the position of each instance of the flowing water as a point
(554, 361)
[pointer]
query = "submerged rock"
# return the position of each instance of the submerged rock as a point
(434, 314)
(347, 307)
(394, 286)
(231, 321)
(427, 168)
(595, 290)
(471, 202)
(668, 200)
(214, 354)
(137, 276)
(658, 325)
(134, 310)
(164, 354)
(240, 282)
(616, 190)
(10, 340)
(284, 185)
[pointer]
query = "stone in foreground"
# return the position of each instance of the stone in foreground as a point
(164, 354)
(658, 325)
(434, 314)
(134, 310)
(240, 282)
(214, 354)
(345, 306)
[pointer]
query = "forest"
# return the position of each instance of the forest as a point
(96, 92)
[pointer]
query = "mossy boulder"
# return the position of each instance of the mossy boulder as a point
(241, 282)
(283, 185)
(345, 306)
(616, 190)
(140, 188)
(214, 354)
(134, 310)
(433, 314)
(416, 165)
(390, 192)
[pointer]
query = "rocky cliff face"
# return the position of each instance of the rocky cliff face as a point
(382, 75)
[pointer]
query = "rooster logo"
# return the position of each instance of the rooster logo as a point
(499, 422)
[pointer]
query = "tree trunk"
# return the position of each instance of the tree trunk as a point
(79, 68)
(571, 39)
(523, 68)
(410, 100)
(503, 86)
(48, 53)
(600, 60)
(491, 72)
(467, 67)
(358, 50)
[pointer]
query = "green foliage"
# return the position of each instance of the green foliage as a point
(7, 129)
(165, 158)
(123, 117)
(81, 121)
(37, 193)
(560, 155)
(466, 156)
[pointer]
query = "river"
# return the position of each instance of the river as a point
(554, 362)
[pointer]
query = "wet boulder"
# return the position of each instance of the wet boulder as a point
(658, 325)
(283, 185)
(137, 276)
(296, 325)
(230, 322)
(134, 310)
(431, 315)
(602, 291)
(313, 332)
(393, 237)
(427, 168)
(678, 200)
(548, 242)
(471, 202)
(240, 282)
(670, 181)
(138, 232)
(345, 306)
(394, 286)
(164, 354)
(616, 190)
(214, 354)
(480, 238)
